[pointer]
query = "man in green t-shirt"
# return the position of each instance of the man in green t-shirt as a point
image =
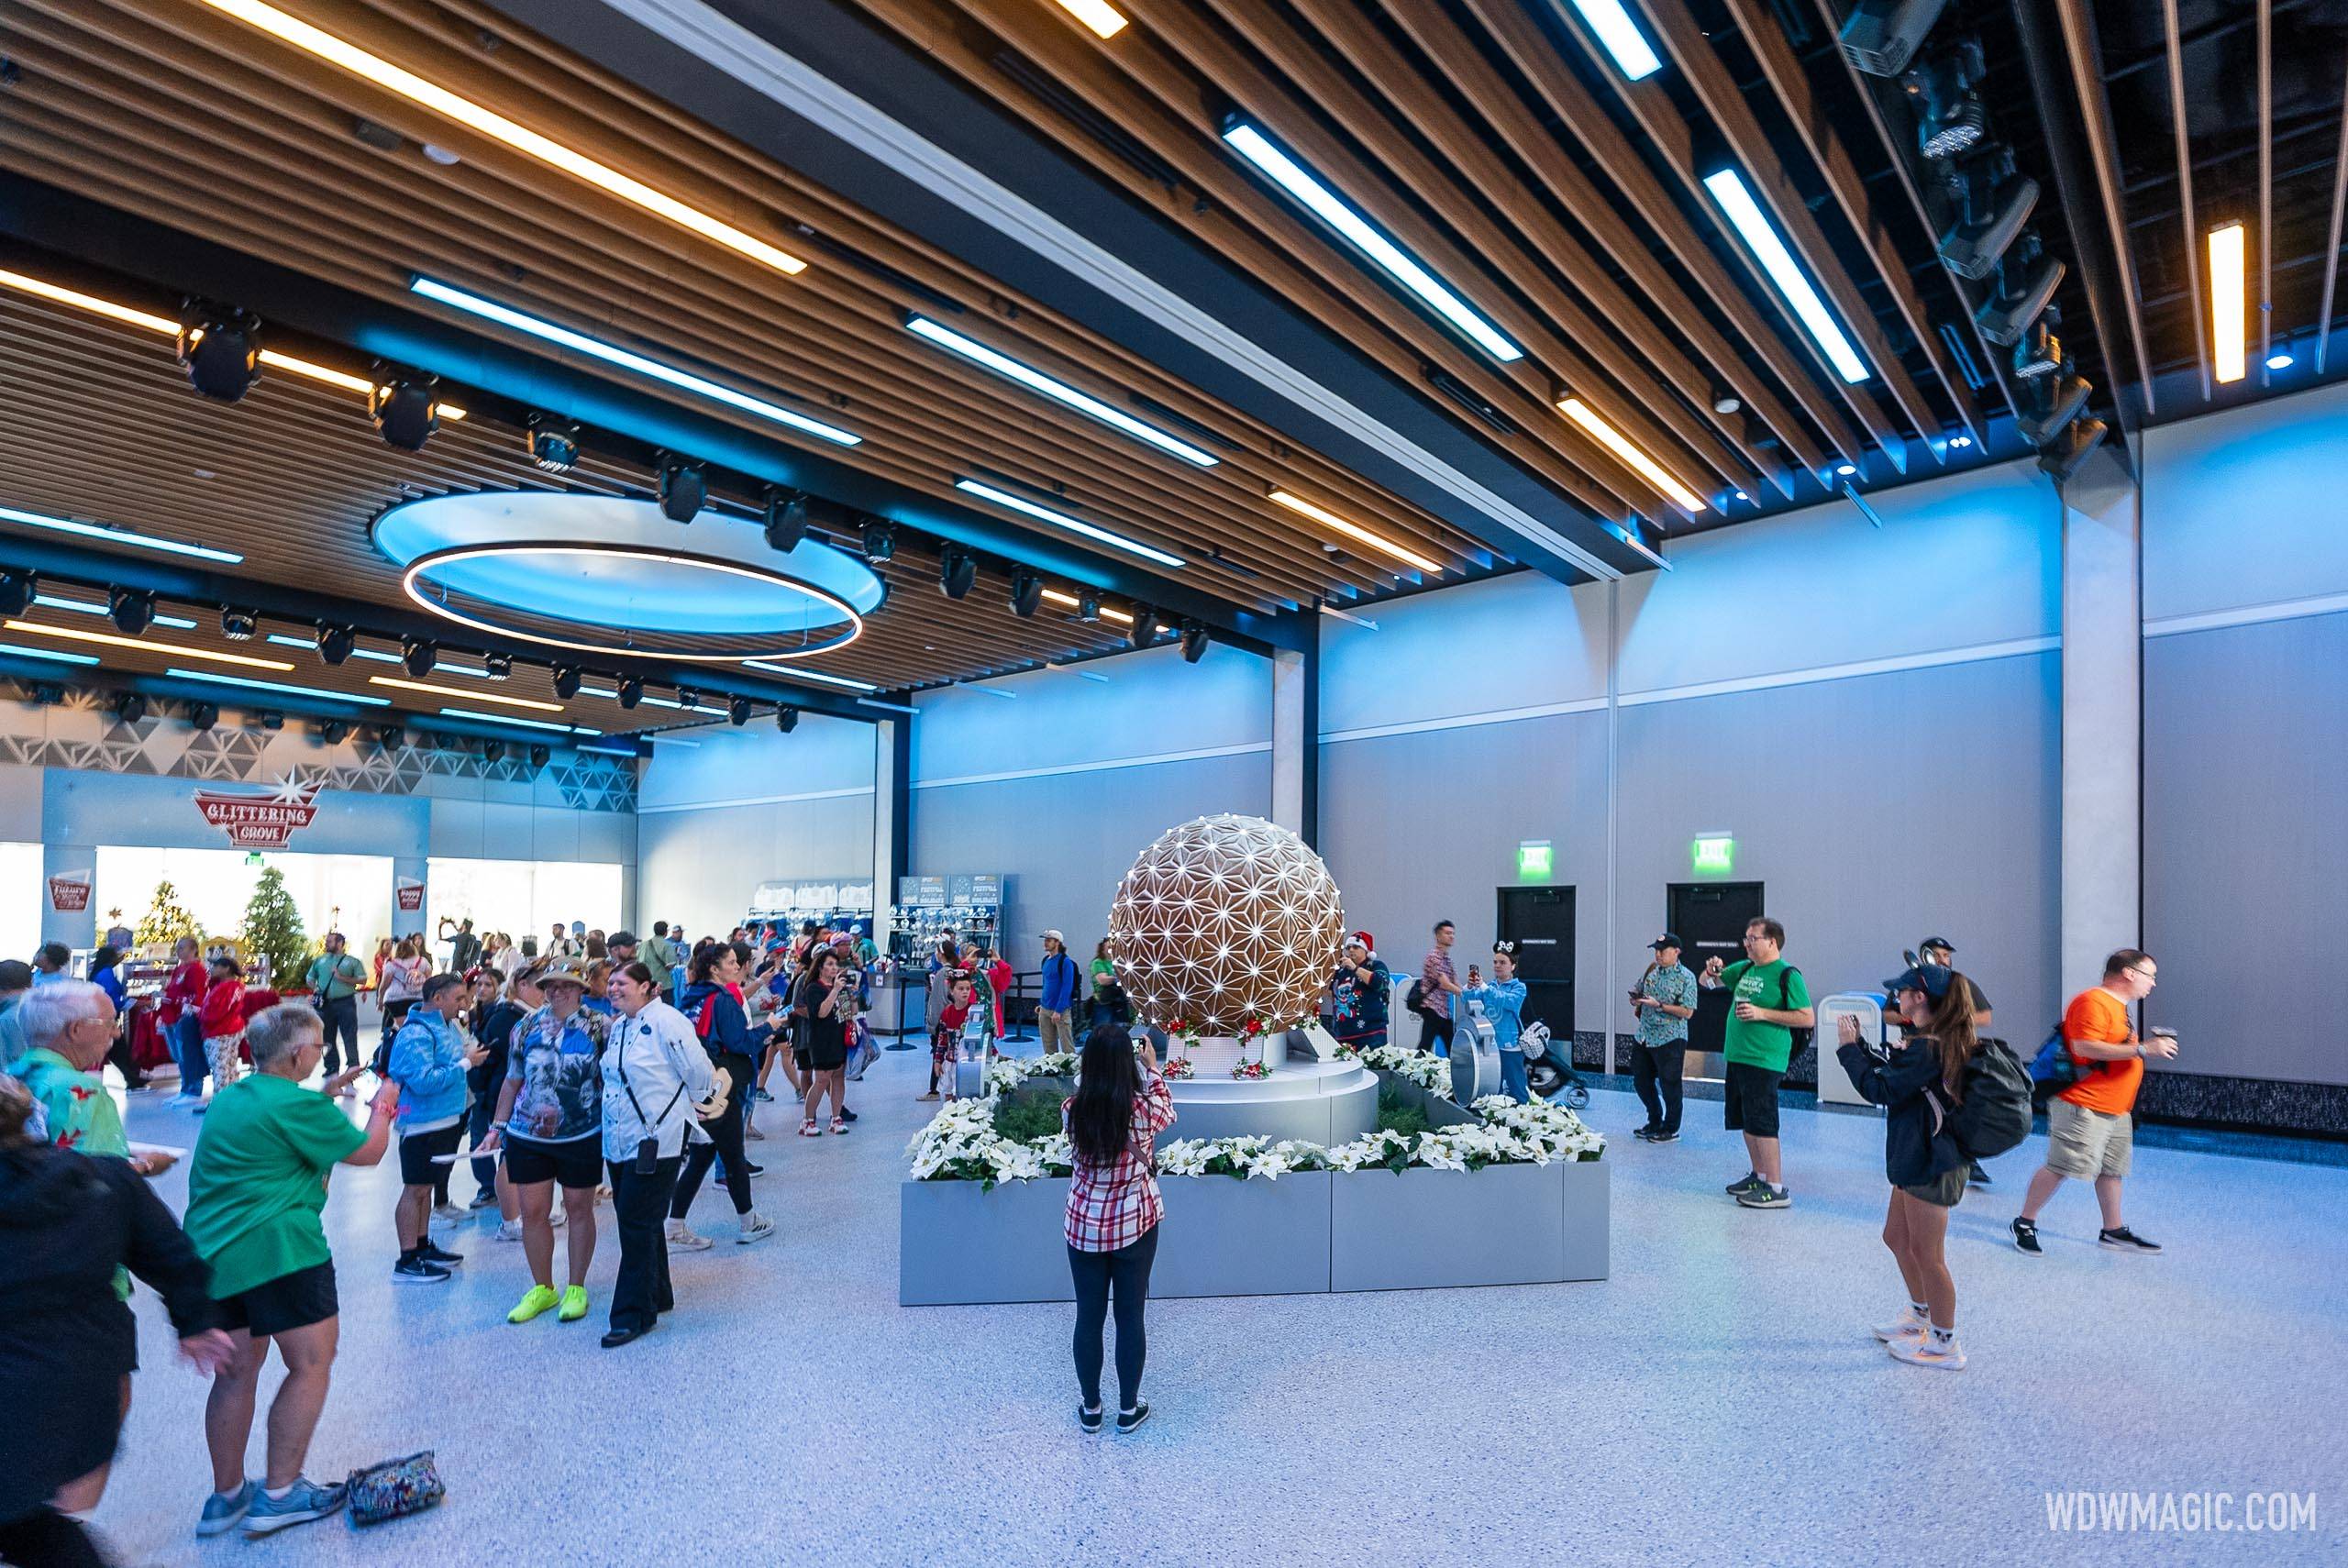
(1769, 1002)
(255, 1190)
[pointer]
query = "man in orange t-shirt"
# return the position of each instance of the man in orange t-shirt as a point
(2090, 1127)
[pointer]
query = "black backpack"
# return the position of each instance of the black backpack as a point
(1415, 999)
(1994, 1116)
(1801, 1036)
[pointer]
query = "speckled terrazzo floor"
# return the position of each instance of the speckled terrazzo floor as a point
(1718, 1401)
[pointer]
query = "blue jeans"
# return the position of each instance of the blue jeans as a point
(187, 1044)
(1513, 1082)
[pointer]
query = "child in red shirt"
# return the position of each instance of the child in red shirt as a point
(224, 1021)
(946, 1034)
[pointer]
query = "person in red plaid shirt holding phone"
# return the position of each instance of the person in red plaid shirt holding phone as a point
(1113, 1206)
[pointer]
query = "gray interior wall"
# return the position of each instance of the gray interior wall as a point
(2246, 734)
(701, 867)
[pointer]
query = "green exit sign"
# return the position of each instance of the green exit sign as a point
(1715, 855)
(1534, 860)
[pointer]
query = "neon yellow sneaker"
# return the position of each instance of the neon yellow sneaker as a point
(535, 1301)
(574, 1304)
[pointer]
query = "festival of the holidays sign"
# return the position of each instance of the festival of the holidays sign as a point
(260, 821)
(68, 892)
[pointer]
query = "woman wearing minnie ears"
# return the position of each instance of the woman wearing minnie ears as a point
(1503, 1001)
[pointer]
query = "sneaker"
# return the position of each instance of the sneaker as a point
(1129, 1420)
(756, 1227)
(1744, 1184)
(1766, 1196)
(224, 1511)
(749, 1169)
(558, 1218)
(1907, 1325)
(509, 1231)
(449, 1214)
(417, 1269)
(1663, 1137)
(304, 1501)
(180, 1102)
(808, 1128)
(535, 1301)
(574, 1304)
(1923, 1352)
(838, 1125)
(2026, 1237)
(931, 1094)
(1974, 1175)
(2127, 1241)
(485, 1199)
(681, 1237)
(761, 1097)
(434, 1252)
(1646, 1132)
(1090, 1419)
(753, 1133)
(847, 1115)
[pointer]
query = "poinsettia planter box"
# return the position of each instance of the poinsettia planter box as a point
(1226, 1236)
(960, 1242)
(1501, 1225)
(1440, 1112)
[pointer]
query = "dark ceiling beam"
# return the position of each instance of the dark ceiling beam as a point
(2332, 247)
(126, 244)
(2190, 234)
(2089, 170)
(2265, 187)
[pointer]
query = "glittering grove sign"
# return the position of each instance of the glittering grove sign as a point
(260, 821)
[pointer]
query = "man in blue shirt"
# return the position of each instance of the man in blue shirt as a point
(1663, 1001)
(1061, 978)
(429, 1056)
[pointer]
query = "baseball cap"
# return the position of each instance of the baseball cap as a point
(1933, 979)
(1056, 936)
(1668, 938)
(1931, 942)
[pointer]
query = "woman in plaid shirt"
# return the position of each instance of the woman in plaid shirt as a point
(1113, 1206)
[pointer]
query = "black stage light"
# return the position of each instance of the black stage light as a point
(540, 755)
(2027, 277)
(1949, 117)
(880, 541)
(1880, 37)
(130, 707)
(2051, 401)
(2064, 455)
(203, 715)
(684, 490)
(1195, 641)
(334, 642)
(737, 711)
(566, 681)
(1026, 591)
(688, 699)
(1992, 203)
(2039, 352)
(17, 591)
(238, 625)
(221, 350)
(419, 655)
(272, 721)
(390, 736)
(956, 571)
(554, 444)
(497, 666)
(1145, 630)
(133, 611)
(47, 692)
(492, 751)
(786, 719)
(786, 519)
(1088, 606)
(334, 732)
(403, 410)
(631, 690)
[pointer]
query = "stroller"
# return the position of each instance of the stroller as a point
(1549, 1068)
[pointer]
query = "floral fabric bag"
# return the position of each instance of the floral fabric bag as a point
(394, 1488)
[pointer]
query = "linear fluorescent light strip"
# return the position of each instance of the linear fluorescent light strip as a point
(1062, 520)
(18, 650)
(1634, 56)
(250, 684)
(627, 359)
(119, 536)
(525, 724)
(797, 674)
(535, 706)
(75, 633)
(1614, 441)
(1105, 20)
(490, 123)
(1291, 177)
(978, 353)
(1727, 187)
(1069, 600)
(2229, 312)
(1352, 530)
(51, 601)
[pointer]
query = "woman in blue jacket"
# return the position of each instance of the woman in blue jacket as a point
(1504, 1001)
(712, 1003)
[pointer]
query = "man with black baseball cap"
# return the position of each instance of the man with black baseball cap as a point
(1663, 1001)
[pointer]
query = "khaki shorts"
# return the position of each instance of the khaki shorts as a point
(2088, 1143)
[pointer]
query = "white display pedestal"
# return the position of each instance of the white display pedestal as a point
(1834, 1083)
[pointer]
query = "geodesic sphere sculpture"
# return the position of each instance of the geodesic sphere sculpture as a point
(1225, 919)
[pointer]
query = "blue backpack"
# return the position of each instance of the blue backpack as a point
(2054, 1069)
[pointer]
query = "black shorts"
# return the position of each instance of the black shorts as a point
(578, 1162)
(417, 1150)
(1753, 1099)
(293, 1300)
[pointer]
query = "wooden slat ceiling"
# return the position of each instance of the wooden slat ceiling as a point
(97, 423)
(1507, 153)
(171, 109)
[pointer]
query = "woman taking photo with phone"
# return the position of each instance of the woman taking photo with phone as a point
(1119, 1107)
(817, 1009)
(1919, 1084)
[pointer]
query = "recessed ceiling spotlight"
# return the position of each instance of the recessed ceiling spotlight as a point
(132, 609)
(221, 350)
(1959, 443)
(403, 410)
(1741, 495)
(441, 155)
(1727, 405)
(554, 444)
(2280, 361)
(238, 625)
(1845, 471)
(684, 489)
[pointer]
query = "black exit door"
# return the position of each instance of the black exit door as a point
(1711, 918)
(1540, 921)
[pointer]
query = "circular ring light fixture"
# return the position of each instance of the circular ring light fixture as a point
(603, 576)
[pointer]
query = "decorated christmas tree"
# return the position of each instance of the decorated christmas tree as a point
(273, 933)
(166, 920)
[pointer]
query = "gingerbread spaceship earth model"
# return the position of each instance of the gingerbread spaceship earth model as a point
(1222, 919)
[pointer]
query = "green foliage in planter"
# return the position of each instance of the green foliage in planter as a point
(1395, 1116)
(1026, 1114)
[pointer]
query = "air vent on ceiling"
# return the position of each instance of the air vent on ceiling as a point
(1458, 392)
(1091, 121)
(1963, 355)
(879, 270)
